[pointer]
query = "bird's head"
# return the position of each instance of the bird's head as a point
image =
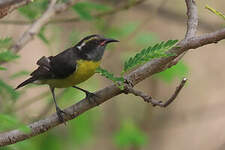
(92, 47)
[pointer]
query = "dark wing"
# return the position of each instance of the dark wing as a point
(64, 64)
(59, 66)
(44, 69)
(42, 72)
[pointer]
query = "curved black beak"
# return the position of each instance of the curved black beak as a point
(109, 40)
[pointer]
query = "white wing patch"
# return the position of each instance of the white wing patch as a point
(80, 46)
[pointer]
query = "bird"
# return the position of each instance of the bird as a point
(70, 67)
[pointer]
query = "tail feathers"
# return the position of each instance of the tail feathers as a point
(30, 80)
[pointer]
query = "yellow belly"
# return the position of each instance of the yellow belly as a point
(85, 69)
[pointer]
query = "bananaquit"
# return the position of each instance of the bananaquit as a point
(70, 67)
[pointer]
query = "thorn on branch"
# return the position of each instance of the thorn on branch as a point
(147, 98)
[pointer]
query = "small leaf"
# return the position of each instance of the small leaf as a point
(34, 10)
(110, 76)
(5, 43)
(42, 36)
(7, 56)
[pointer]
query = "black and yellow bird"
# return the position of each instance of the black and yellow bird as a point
(70, 67)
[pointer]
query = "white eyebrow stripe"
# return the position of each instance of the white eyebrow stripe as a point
(79, 47)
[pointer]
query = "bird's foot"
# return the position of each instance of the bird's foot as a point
(60, 113)
(91, 97)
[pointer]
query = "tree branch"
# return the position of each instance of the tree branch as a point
(35, 27)
(192, 24)
(147, 98)
(136, 76)
(107, 93)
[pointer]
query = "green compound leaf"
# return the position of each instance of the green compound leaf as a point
(156, 51)
(215, 11)
(7, 55)
(108, 75)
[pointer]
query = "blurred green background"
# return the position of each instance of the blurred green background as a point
(125, 122)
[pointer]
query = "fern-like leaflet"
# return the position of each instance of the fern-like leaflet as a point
(156, 51)
(110, 76)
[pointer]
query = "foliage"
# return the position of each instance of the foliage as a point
(84, 9)
(82, 128)
(34, 10)
(156, 51)
(109, 75)
(215, 11)
(179, 70)
(5, 43)
(130, 135)
(42, 36)
(2, 68)
(80, 131)
(7, 55)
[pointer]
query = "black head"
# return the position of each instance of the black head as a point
(92, 47)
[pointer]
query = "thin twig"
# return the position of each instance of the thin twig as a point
(147, 98)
